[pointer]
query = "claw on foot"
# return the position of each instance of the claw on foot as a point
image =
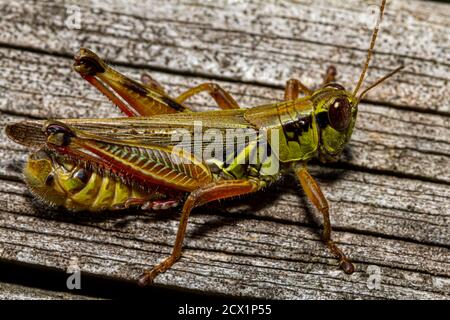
(347, 266)
(344, 263)
(149, 275)
(146, 278)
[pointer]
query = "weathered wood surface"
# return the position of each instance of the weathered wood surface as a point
(389, 195)
(10, 291)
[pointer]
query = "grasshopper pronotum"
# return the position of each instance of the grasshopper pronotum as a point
(105, 164)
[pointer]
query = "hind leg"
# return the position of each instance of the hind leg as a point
(211, 192)
(132, 97)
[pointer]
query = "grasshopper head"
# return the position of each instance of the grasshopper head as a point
(336, 108)
(335, 112)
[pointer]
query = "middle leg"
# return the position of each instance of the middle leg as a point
(293, 89)
(223, 99)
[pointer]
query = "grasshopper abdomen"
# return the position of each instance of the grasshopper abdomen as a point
(63, 182)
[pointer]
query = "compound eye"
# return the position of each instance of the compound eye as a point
(340, 114)
(334, 85)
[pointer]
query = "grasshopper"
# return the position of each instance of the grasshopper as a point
(111, 164)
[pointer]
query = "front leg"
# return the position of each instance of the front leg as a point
(210, 192)
(316, 196)
(330, 75)
(294, 86)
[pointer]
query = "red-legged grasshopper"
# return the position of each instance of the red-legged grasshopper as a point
(104, 164)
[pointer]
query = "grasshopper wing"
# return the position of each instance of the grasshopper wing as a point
(141, 149)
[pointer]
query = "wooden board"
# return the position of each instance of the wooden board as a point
(10, 291)
(389, 194)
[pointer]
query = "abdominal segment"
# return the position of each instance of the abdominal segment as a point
(63, 183)
(107, 193)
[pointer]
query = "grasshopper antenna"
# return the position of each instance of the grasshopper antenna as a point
(372, 45)
(373, 85)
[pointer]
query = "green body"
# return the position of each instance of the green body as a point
(144, 148)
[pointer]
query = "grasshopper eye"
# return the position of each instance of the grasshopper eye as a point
(340, 114)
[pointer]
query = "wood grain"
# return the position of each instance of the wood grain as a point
(251, 41)
(9, 291)
(389, 194)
